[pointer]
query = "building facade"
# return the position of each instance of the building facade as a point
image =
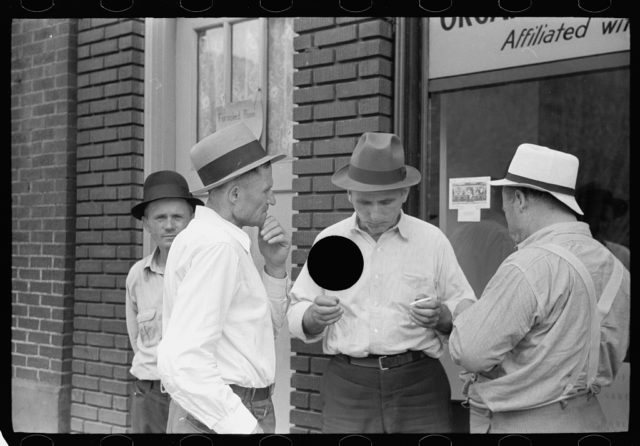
(98, 104)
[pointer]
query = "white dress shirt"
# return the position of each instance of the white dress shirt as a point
(410, 258)
(219, 322)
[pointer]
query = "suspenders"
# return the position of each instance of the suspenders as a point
(599, 309)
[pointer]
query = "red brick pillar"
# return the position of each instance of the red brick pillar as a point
(109, 240)
(344, 88)
(43, 136)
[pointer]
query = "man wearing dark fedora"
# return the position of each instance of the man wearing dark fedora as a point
(552, 325)
(220, 314)
(384, 375)
(167, 207)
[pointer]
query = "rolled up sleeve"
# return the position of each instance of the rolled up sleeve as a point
(303, 293)
(453, 286)
(277, 292)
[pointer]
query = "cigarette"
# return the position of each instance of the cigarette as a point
(424, 299)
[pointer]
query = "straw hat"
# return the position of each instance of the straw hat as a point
(377, 163)
(544, 169)
(227, 154)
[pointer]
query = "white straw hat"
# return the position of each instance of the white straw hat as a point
(544, 169)
(227, 154)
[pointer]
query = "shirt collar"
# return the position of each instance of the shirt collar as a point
(402, 227)
(151, 262)
(209, 215)
(571, 227)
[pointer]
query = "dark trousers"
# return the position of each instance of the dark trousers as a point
(149, 408)
(182, 422)
(413, 398)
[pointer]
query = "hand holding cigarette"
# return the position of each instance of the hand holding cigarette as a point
(425, 311)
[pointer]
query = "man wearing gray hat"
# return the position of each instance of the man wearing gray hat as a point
(166, 209)
(220, 314)
(552, 325)
(386, 332)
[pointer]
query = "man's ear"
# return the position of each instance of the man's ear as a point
(405, 194)
(145, 223)
(521, 200)
(233, 193)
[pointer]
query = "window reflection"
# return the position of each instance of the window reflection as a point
(584, 114)
(210, 78)
(246, 45)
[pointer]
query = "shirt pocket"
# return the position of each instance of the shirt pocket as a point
(414, 283)
(149, 328)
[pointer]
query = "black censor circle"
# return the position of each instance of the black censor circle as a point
(335, 263)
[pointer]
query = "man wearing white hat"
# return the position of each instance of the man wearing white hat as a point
(384, 375)
(220, 314)
(551, 327)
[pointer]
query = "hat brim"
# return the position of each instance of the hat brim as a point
(138, 210)
(237, 173)
(341, 179)
(566, 199)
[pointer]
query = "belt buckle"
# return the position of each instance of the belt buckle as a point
(253, 393)
(380, 363)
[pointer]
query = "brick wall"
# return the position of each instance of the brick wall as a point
(108, 240)
(43, 136)
(344, 88)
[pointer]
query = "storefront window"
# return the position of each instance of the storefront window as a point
(476, 131)
(230, 59)
(210, 78)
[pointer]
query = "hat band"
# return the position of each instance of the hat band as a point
(230, 162)
(548, 186)
(377, 176)
(165, 191)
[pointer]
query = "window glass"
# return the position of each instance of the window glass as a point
(246, 47)
(478, 130)
(210, 78)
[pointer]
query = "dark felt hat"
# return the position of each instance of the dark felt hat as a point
(164, 184)
(377, 164)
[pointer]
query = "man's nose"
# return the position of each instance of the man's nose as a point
(272, 199)
(169, 224)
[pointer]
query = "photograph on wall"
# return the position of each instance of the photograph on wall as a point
(469, 192)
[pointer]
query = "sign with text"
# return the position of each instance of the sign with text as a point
(464, 45)
(249, 111)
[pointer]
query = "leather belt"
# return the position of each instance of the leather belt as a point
(251, 393)
(385, 362)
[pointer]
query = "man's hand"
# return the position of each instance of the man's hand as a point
(431, 314)
(274, 245)
(324, 311)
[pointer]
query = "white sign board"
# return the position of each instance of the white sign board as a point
(463, 45)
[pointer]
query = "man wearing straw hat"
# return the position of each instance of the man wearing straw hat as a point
(551, 327)
(217, 355)
(166, 209)
(384, 375)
